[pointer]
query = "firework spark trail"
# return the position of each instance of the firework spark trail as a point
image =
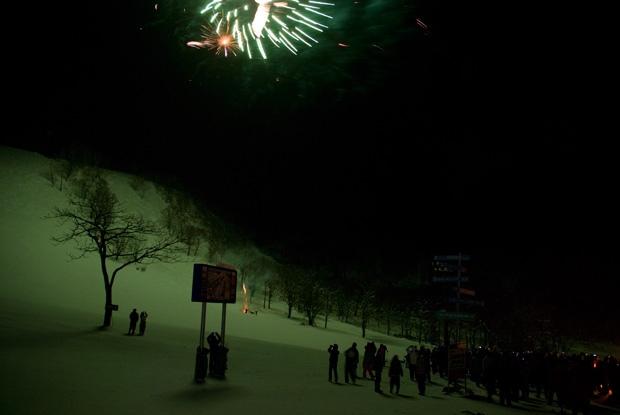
(220, 40)
(285, 24)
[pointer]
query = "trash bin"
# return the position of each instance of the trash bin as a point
(200, 370)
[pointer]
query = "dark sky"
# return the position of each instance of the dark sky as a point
(463, 136)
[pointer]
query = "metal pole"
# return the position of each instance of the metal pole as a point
(458, 321)
(458, 297)
(202, 325)
(223, 330)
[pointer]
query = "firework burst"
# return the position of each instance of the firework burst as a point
(253, 26)
(218, 39)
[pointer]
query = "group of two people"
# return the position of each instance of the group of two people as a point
(216, 364)
(419, 366)
(134, 317)
(415, 360)
(374, 361)
(350, 365)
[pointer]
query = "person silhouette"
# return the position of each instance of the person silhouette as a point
(369, 356)
(378, 365)
(333, 362)
(133, 321)
(143, 316)
(214, 340)
(395, 372)
(352, 357)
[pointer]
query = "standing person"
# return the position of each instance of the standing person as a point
(381, 353)
(475, 368)
(143, 316)
(351, 360)
(505, 378)
(558, 380)
(412, 361)
(427, 355)
(214, 340)
(580, 389)
(443, 361)
(221, 362)
(539, 363)
(422, 367)
(133, 321)
(333, 362)
(435, 360)
(378, 365)
(489, 372)
(395, 372)
(369, 356)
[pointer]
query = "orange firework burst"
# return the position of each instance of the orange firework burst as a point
(227, 43)
(212, 39)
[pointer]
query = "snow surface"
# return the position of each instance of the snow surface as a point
(56, 360)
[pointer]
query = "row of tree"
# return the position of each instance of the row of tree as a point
(365, 293)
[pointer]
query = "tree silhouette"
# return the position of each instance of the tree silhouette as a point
(97, 222)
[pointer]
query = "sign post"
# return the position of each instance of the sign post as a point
(213, 284)
(455, 315)
(456, 352)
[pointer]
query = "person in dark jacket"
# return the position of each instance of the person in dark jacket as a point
(133, 321)
(333, 362)
(381, 353)
(475, 368)
(395, 372)
(214, 340)
(412, 360)
(558, 382)
(505, 378)
(351, 360)
(378, 366)
(580, 388)
(143, 316)
(369, 356)
(427, 354)
(422, 367)
(489, 372)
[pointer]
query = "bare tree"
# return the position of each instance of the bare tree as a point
(183, 217)
(344, 305)
(220, 237)
(366, 301)
(330, 293)
(310, 295)
(268, 294)
(97, 222)
(251, 271)
(60, 172)
(287, 286)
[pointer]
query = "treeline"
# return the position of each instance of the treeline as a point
(399, 300)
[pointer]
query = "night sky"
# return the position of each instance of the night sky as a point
(411, 141)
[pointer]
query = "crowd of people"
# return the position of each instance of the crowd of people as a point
(568, 381)
(374, 361)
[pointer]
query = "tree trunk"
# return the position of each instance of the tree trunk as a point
(107, 316)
